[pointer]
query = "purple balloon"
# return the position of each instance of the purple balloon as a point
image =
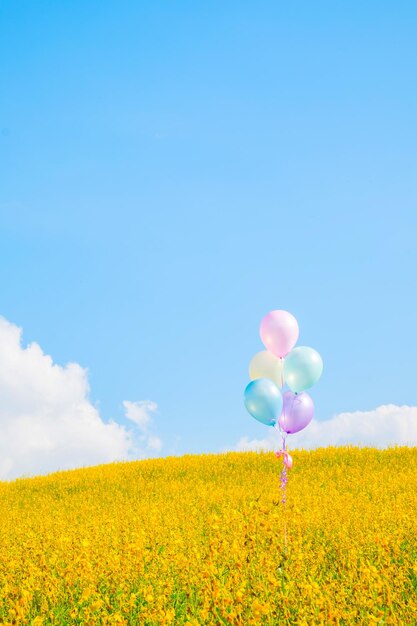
(297, 412)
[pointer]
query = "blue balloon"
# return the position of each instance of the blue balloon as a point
(263, 400)
(302, 368)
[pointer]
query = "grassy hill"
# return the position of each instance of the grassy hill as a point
(200, 540)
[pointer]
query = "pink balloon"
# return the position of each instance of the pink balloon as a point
(297, 411)
(279, 332)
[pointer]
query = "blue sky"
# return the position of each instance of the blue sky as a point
(170, 172)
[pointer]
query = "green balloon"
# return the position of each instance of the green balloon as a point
(302, 368)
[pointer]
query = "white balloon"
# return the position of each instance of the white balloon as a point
(266, 365)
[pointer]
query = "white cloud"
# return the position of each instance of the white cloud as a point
(140, 413)
(47, 421)
(384, 426)
(154, 443)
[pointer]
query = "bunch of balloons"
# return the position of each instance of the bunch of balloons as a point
(279, 365)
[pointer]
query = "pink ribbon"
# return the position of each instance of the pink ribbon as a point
(287, 458)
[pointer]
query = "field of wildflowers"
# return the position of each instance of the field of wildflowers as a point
(200, 540)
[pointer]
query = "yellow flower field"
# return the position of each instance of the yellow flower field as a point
(200, 540)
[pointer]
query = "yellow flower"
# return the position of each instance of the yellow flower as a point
(206, 539)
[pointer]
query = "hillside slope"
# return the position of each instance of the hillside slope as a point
(200, 540)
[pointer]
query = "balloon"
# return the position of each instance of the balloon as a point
(263, 400)
(302, 368)
(279, 332)
(297, 412)
(266, 365)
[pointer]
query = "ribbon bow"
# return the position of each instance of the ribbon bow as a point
(287, 458)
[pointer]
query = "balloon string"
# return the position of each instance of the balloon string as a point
(283, 483)
(284, 479)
